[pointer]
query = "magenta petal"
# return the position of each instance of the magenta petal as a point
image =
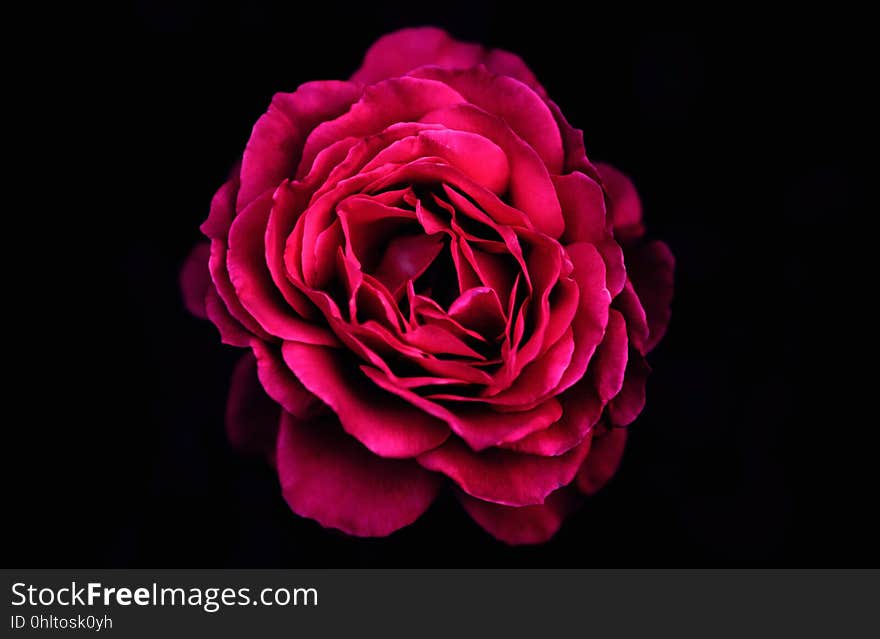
(611, 358)
(249, 273)
(652, 268)
(195, 279)
(525, 525)
(626, 207)
(630, 401)
(329, 477)
(525, 111)
(479, 309)
(602, 462)
(231, 330)
(281, 384)
(274, 148)
(502, 476)
(251, 415)
(630, 306)
(581, 410)
(385, 424)
(583, 207)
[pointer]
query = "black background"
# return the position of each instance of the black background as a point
(737, 134)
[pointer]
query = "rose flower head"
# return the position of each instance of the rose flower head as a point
(434, 286)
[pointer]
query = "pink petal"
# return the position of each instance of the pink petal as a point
(479, 426)
(581, 410)
(516, 103)
(251, 415)
(503, 476)
(524, 525)
(329, 477)
(384, 424)
(254, 288)
(231, 330)
(195, 279)
(399, 52)
(602, 462)
(381, 105)
(275, 146)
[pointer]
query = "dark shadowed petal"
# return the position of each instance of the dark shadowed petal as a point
(251, 415)
(626, 207)
(525, 525)
(503, 476)
(231, 330)
(630, 401)
(195, 279)
(281, 384)
(602, 462)
(651, 268)
(630, 306)
(328, 476)
(386, 425)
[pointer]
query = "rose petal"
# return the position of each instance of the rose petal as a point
(397, 53)
(630, 401)
(246, 261)
(516, 103)
(602, 462)
(195, 279)
(652, 268)
(610, 361)
(281, 384)
(581, 410)
(502, 476)
(525, 525)
(274, 148)
(386, 425)
(625, 206)
(327, 476)
(251, 415)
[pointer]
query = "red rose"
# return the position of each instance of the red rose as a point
(434, 283)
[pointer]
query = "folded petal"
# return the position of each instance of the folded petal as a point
(281, 384)
(386, 425)
(275, 146)
(328, 476)
(503, 476)
(524, 525)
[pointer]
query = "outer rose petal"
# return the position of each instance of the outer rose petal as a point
(329, 477)
(626, 207)
(386, 425)
(397, 53)
(526, 525)
(276, 142)
(602, 462)
(502, 476)
(651, 268)
(195, 279)
(630, 401)
(281, 384)
(251, 415)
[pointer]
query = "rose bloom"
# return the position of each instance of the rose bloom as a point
(435, 286)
